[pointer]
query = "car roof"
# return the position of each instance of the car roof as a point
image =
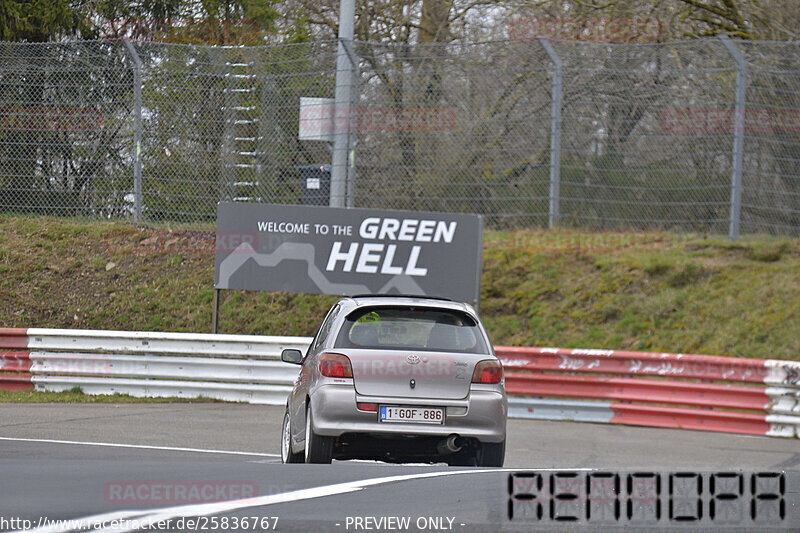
(402, 300)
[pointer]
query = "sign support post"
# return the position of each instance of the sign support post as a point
(215, 312)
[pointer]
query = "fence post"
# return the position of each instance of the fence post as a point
(351, 134)
(341, 105)
(555, 135)
(137, 132)
(738, 136)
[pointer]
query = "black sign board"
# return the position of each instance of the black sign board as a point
(326, 250)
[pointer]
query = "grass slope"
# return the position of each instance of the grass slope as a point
(640, 291)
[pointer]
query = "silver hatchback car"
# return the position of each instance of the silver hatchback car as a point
(395, 378)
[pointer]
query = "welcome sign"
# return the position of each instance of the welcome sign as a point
(326, 250)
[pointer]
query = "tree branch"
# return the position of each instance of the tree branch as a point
(707, 7)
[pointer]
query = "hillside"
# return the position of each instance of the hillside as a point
(640, 291)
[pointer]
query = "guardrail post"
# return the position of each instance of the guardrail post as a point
(738, 136)
(555, 134)
(137, 132)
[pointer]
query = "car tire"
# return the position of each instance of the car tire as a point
(492, 453)
(286, 442)
(319, 449)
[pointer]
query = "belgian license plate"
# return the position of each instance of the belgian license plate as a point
(419, 415)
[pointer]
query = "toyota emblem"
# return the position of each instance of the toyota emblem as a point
(412, 359)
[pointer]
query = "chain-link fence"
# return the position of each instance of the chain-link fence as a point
(693, 136)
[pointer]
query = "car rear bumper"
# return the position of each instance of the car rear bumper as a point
(483, 418)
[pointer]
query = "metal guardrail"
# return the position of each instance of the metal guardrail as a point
(749, 396)
(236, 368)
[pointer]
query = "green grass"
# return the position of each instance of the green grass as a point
(77, 396)
(675, 293)
(639, 291)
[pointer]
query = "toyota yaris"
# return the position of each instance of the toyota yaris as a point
(397, 379)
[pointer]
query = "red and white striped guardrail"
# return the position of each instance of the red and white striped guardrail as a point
(710, 393)
(750, 396)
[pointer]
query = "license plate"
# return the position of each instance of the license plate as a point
(419, 415)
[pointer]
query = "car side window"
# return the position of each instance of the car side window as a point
(324, 331)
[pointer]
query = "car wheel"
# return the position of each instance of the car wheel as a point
(319, 449)
(286, 442)
(492, 453)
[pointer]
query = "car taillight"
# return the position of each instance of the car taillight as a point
(490, 371)
(335, 365)
(371, 407)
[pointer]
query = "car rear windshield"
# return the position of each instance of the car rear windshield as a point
(412, 328)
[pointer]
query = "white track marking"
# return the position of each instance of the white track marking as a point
(286, 497)
(141, 447)
(154, 516)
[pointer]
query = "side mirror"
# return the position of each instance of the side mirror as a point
(292, 356)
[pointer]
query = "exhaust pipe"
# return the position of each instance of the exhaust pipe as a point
(451, 444)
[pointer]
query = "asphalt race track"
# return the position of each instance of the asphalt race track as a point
(167, 461)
